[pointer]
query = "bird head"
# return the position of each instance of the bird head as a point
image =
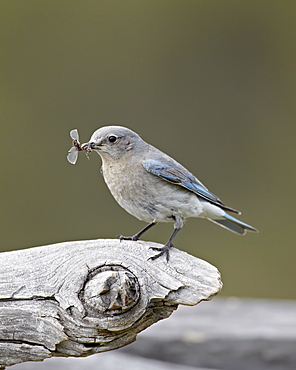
(112, 142)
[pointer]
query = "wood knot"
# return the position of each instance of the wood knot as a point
(110, 290)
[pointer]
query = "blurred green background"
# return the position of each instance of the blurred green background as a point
(212, 83)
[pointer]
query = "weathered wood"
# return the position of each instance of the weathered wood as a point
(229, 334)
(84, 297)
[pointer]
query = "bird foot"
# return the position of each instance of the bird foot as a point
(162, 250)
(121, 237)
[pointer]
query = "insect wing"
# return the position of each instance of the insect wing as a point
(72, 155)
(74, 135)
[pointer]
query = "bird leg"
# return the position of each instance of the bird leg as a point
(166, 248)
(137, 235)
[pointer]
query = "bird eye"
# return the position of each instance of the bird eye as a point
(112, 138)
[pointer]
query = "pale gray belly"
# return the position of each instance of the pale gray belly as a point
(154, 199)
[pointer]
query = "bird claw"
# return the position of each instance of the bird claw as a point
(121, 237)
(162, 250)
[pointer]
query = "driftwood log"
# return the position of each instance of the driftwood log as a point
(84, 297)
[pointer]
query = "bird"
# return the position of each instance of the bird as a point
(152, 186)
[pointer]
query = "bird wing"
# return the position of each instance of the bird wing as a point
(178, 175)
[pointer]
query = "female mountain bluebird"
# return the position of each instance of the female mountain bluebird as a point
(152, 186)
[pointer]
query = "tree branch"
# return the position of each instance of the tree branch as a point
(84, 297)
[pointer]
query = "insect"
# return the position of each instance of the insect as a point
(76, 147)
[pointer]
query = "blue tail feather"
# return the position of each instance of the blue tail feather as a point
(233, 224)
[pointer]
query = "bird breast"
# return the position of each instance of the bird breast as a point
(148, 197)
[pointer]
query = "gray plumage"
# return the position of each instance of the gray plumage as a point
(153, 187)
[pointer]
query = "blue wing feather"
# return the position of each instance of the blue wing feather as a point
(179, 176)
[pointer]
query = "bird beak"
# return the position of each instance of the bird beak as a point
(88, 147)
